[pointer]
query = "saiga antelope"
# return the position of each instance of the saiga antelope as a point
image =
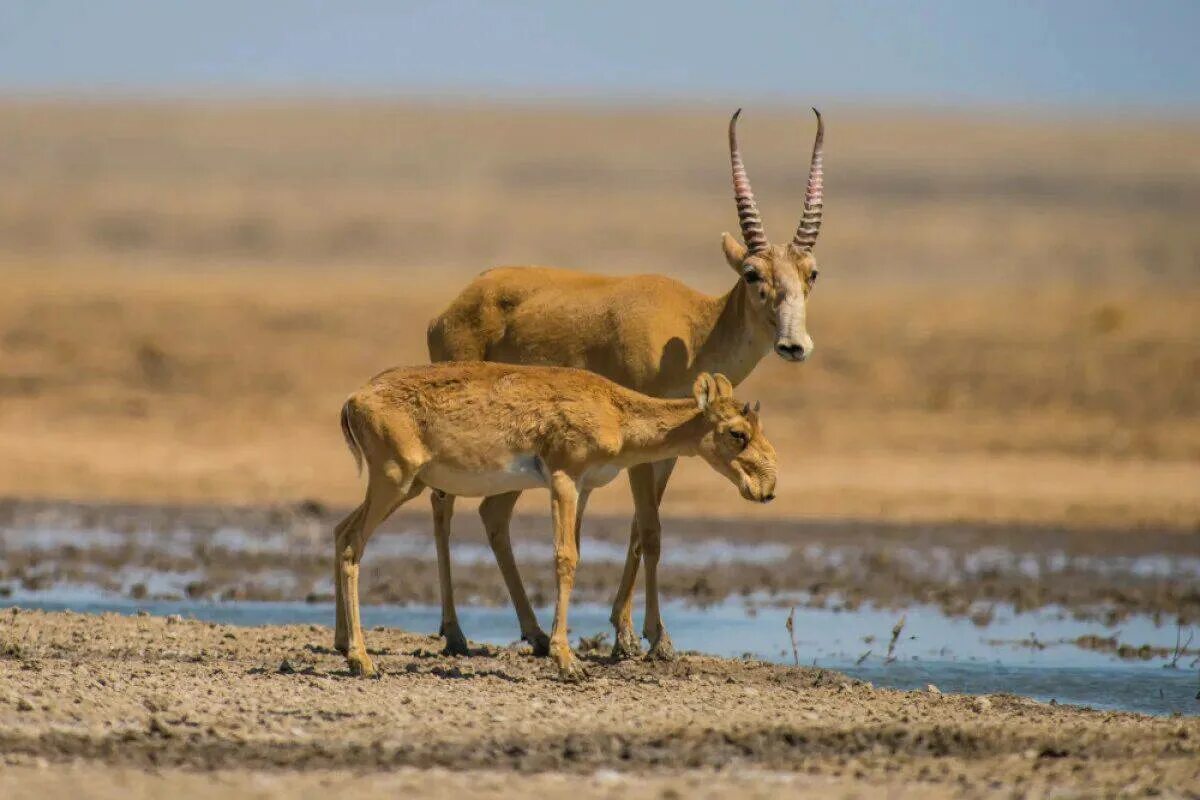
(483, 429)
(649, 333)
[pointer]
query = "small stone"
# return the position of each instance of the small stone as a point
(286, 668)
(929, 687)
(607, 776)
(981, 704)
(174, 619)
(24, 705)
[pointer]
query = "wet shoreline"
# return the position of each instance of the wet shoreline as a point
(282, 554)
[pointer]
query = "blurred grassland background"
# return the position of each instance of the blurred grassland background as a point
(1007, 322)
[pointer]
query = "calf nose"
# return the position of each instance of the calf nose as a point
(792, 351)
(766, 498)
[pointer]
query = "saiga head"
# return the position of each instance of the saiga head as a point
(778, 278)
(734, 444)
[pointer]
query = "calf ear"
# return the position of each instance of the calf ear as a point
(735, 252)
(724, 387)
(704, 390)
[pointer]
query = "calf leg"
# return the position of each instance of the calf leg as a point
(341, 635)
(564, 502)
(383, 497)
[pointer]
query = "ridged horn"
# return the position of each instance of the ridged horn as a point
(748, 217)
(810, 221)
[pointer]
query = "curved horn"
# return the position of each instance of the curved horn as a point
(748, 216)
(810, 221)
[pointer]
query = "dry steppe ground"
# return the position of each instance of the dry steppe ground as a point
(272, 710)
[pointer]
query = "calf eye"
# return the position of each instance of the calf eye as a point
(751, 275)
(739, 437)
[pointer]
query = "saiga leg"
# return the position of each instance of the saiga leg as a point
(383, 497)
(443, 511)
(341, 635)
(647, 482)
(564, 499)
(651, 532)
(496, 513)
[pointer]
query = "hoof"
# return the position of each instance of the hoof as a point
(341, 647)
(362, 666)
(540, 643)
(456, 643)
(628, 646)
(572, 670)
(663, 649)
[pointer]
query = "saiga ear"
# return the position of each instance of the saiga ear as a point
(724, 387)
(735, 252)
(704, 390)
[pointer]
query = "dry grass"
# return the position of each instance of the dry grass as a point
(1006, 326)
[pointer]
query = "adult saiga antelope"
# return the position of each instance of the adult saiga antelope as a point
(649, 333)
(488, 429)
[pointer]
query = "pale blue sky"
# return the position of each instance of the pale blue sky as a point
(1068, 54)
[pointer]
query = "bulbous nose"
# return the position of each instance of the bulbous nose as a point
(793, 351)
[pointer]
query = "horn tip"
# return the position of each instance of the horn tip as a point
(815, 111)
(735, 116)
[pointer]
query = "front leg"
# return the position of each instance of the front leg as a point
(564, 500)
(661, 648)
(647, 482)
(628, 644)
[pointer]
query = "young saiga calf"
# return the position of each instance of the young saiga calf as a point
(481, 429)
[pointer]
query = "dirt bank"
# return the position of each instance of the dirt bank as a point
(114, 692)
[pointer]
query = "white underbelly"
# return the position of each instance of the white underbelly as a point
(524, 472)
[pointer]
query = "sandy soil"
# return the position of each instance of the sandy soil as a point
(99, 698)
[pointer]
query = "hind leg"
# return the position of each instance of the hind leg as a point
(384, 495)
(496, 513)
(443, 511)
(341, 635)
